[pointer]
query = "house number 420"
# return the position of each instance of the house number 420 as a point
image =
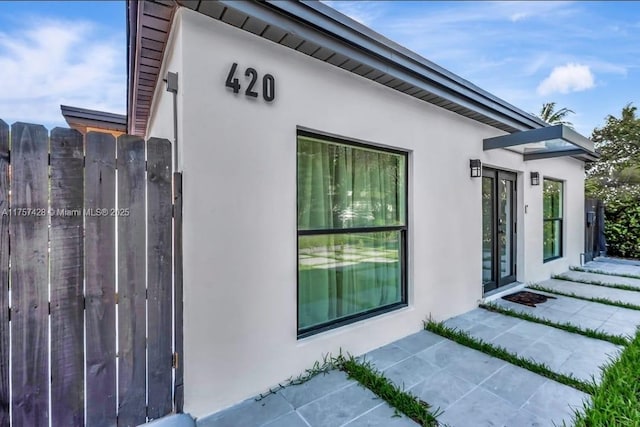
(268, 83)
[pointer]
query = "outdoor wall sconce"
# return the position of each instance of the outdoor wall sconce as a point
(535, 178)
(476, 168)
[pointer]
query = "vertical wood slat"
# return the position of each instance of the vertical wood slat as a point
(67, 275)
(100, 286)
(131, 281)
(178, 292)
(4, 274)
(29, 276)
(159, 295)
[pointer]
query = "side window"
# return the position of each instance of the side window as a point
(352, 225)
(553, 219)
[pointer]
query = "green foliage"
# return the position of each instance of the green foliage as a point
(363, 372)
(622, 225)
(616, 401)
(615, 179)
(587, 332)
(414, 408)
(549, 114)
(467, 340)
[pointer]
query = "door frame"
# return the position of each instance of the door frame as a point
(497, 281)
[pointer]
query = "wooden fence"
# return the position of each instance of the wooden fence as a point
(90, 311)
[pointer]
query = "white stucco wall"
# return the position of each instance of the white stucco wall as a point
(239, 161)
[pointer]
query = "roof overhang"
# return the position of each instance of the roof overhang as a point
(544, 143)
(314, 29)
(85, 120)
(148, 25)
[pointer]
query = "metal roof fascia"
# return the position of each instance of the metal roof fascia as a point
(342, 27)
(97, 116)
(385, 61)
(548, 133)
(132, 35)
(551, 154)
(525, 137)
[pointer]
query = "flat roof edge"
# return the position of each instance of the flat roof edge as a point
(332, 22)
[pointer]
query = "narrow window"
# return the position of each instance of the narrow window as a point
(352, 226)
(553, 213)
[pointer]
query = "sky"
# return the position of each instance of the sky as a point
(584, 56)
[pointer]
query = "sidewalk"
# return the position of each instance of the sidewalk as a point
(471, 388)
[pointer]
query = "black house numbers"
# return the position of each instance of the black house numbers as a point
(251, 78)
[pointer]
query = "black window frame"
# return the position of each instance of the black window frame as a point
(402, 229)
(553, 220)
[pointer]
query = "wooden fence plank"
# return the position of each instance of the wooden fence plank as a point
(159, 295)
(178, 292)
(100, 286)
(131, 281)
(67, 275)
(29, 276)
(4, 274)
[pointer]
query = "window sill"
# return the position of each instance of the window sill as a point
(351, 320)
(544, 261)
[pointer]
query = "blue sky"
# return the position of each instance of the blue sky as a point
(582, 55)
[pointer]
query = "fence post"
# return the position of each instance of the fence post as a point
(132, 265)
(159, 347)
(4, 274)
(100, 287)
(67, 276)
(178, 291)
(29, 275)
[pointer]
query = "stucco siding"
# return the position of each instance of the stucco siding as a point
(239, 161)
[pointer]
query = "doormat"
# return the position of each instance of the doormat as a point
(527, 298)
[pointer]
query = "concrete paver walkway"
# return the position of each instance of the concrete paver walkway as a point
(561, 351)
(470, 387)
(615, 267)
(592, 291)
(582, 276)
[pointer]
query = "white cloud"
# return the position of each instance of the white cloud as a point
(59, 62)
(518, 16)
(567, 78)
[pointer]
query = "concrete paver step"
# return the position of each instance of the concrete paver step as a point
(592, 291)
(586, 277)
(473, 388)
(563, 352)
(601, 317)
(612, 268)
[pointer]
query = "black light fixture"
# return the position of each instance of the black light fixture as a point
(535, 178)
(476, 168)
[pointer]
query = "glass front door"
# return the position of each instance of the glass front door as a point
(498, 228)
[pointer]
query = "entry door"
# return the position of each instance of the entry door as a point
(498, 228)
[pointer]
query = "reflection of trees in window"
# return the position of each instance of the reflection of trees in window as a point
(552, 218)
(351, 232)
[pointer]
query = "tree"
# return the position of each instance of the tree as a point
(618, 142)
(615, 179)
(549, 114)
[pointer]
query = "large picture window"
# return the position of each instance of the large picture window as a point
(553, 213)
(352, 224)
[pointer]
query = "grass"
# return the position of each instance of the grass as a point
(587, 332)
(616, 303)
(467, 340)
(616, 400)
(598, 283)
(414, 408)
(363, 372)
(587, 270)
